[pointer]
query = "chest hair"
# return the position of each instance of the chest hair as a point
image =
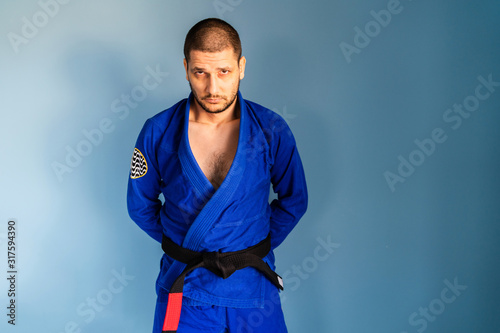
(220, 165)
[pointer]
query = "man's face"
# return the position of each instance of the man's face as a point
(214, 78)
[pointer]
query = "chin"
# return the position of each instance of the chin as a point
(214, 108)
(215, 111)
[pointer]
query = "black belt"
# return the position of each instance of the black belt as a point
(222, 264)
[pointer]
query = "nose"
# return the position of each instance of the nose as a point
(212, 87)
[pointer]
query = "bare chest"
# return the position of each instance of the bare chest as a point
(214, 148)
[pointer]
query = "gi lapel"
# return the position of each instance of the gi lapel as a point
(218, 200)
(189, 165)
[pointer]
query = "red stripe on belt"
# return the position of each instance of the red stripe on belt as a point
(173, 314)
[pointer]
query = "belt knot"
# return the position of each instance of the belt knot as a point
(218, 263)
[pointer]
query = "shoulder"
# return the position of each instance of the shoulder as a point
(164, 128)
(270, 121)
(265, 116)
(165, 118)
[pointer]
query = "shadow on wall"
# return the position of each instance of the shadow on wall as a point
(282, 72)
(85, 148)
(91, 143)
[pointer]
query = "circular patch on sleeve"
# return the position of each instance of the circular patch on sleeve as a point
(138, 167)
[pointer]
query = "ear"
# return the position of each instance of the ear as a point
(242, 64)
(186, 68)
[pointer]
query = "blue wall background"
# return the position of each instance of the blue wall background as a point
(410, 250)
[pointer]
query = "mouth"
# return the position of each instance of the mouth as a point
(213, 100)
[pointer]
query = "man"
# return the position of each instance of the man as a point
(213, 157)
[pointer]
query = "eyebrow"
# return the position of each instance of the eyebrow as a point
(226, 68)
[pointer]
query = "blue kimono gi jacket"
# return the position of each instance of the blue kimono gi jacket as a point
(235, 216)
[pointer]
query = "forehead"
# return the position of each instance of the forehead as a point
(224, 58)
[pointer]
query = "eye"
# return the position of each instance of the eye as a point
(224, 71)
(199, 72)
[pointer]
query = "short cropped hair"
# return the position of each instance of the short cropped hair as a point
(212, 35)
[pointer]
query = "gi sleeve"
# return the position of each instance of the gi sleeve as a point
(288, 180)
(144, 187)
